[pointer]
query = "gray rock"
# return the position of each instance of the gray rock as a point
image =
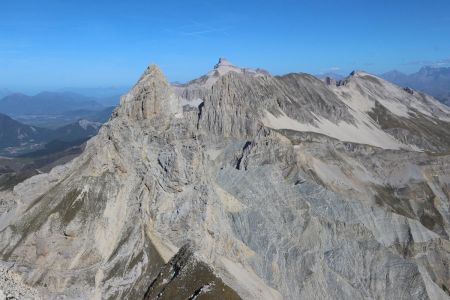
(274, 201)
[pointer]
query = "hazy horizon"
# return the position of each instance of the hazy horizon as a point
(84, 90)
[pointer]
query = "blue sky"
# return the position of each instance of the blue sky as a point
(48, 44)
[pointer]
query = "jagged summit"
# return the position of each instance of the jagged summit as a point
(223, 67)
(154, 71)
(150, 96)
(196, 90)
(222, 62)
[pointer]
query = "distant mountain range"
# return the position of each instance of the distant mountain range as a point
(72, 135)
(52, 102)
(46, 103)
(92, 92)
(431, 80)
(434, 81)
(14, 133)
(17, 138)
(58, 120)
(107, 96)
(97, 92)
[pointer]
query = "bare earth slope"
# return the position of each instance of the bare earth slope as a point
(244, 185)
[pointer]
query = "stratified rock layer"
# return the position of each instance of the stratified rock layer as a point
(283, 187)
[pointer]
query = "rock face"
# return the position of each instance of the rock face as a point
(244, 185)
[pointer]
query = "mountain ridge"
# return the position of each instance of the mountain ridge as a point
(257, 182)
(45, 103)
(14, 133)
(432, 80)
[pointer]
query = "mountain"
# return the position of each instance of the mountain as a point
(66, 118)
(76, 131)
(432, 80)
(396, 77)
(100, 116)
(20, 139)
(16, 134)
(243, 185)
(106, 96)
(46, 103)
(4, 92)
(53, 110)
(14, 170)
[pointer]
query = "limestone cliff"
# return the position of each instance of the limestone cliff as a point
(244, 185)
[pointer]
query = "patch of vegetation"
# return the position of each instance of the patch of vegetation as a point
(415, 201)
(9, 181)
(184, 277)
(418, 129)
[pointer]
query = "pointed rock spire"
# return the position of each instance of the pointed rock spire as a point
(152, 96)
(154, 72)
(222, 62)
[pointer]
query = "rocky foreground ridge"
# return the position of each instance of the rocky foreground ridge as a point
(243, 185)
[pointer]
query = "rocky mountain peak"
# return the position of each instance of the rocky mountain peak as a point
(197, 90)
(223, 67)
(151, 96)
(222, 62)
(154, 73)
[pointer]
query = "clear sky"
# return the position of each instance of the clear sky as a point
(49, 44)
